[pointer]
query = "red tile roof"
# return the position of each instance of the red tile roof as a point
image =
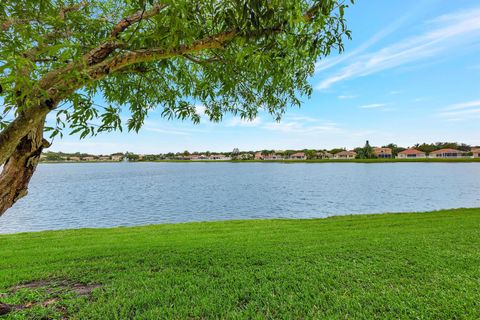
(383, 150)
(346, 153)
(446, 151)
(411, 151)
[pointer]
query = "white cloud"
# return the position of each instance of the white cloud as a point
(446, 33)
(464, 105)
(302, 128)
(172, 128)
(346, 97)
(200, 109)
(301, 119)
(421, 99)
(461, 111)
(238, 122)
(331, 62)
(373, 106)
(167, 131)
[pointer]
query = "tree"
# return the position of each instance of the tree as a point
(395, 149)
(310, 154)
(132, 156)
(366, 152)
(235, 154)
(264, 153)
(231, 57)
(425, 147)
(337, 150)
(52, 156)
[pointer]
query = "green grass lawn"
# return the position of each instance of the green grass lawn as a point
(419, 265)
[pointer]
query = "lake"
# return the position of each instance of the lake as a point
(125, 194)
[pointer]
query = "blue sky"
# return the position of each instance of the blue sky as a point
(410, 74)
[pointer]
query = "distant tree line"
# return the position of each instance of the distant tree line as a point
(365, 152)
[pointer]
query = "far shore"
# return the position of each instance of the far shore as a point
(463, 160)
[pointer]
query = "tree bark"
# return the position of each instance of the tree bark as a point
(20, 166)
(25, 122)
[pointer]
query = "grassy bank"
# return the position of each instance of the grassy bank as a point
(422, 265)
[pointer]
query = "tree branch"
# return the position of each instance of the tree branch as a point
(10, 22)
(152, 54)
(94, 66)
(201, 61)
(98, 54)
(136, 17)
(72, 8)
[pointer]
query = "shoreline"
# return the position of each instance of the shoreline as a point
(253, 220)
(427, 160)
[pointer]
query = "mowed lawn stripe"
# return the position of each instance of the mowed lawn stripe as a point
(407, 265)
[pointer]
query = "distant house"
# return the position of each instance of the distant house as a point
(219, 157)
(74, 158)
(345, 155)
(258, 156)
(476, 153)
(411, 153)
(446, 153)
(117, 156)
(382, 153)
(273, 156)
(324, 155)
(88, 158)
(298, 156)
(104, 158)
(199, 157)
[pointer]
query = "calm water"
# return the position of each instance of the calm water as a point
(113, 194)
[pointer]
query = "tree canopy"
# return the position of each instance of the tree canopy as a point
(231, 57)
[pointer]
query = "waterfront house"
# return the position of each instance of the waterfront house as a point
(258, 156)
(104, 158)
(298, 156)
(382, 153)
(74, 158)
(273, 156)
(88, 158)
(219, 157)
(411, 153)
(324, 155)
(345, 155)
(117, 156)
(476, 153)
(446, 153)
(199, 157)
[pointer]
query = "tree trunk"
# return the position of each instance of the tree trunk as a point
(20, 166)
